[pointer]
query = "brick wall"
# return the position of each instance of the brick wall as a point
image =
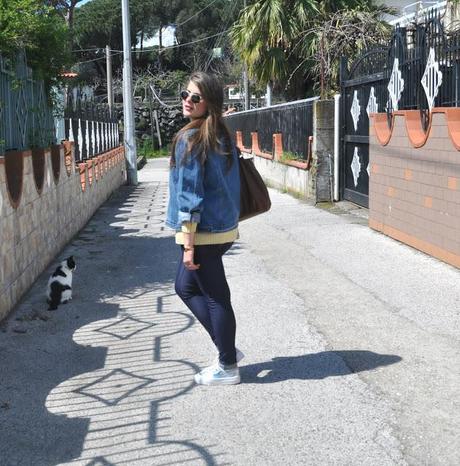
(414, 185)
(36, 224)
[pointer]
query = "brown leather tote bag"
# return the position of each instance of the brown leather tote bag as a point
(254, 197)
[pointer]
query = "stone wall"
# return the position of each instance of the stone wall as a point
(170, 121)
(45, 199)
(414, 184)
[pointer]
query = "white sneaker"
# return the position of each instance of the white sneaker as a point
(216, 375)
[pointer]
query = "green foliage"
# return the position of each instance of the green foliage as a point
(213, 20)
(265, 36)
(346, 33)
(146, 149)
(98, 23)
(18, 20)
(39, 30)
(291, 156)
(279, 41)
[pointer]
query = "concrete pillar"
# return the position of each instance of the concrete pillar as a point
(322, 169)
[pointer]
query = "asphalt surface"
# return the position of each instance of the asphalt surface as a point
(351, 343)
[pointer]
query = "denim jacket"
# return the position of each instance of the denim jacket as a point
(208, 194)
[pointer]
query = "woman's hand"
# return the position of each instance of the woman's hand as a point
(188, 261)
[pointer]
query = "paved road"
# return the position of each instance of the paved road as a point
(351, 343)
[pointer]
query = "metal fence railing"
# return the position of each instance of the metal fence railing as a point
(419, 69)
(294, 120)
(26, 116)
(92, 127)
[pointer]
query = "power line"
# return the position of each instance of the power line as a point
(117, 52)
(176, 25)
(99, 58)
(217, 40)
(88, 50)
(183, 45)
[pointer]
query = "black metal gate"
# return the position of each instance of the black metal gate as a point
(419, 69)
(364, 90)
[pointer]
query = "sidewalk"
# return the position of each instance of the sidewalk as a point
(351, 343)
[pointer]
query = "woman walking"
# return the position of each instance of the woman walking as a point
(204, 205)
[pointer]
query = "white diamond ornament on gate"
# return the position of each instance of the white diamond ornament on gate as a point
(372, 104)
(431, 79)
(355, 110)
(396, 85)
(356, 167)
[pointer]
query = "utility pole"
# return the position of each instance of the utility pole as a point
(109, 77)
(128, 109)
(246, 81)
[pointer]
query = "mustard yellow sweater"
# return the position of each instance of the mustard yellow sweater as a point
(202, 238)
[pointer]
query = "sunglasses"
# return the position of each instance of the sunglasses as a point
(195, 98)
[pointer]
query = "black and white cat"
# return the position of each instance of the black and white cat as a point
(59, 289)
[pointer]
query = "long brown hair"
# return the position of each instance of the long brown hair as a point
(212, 131)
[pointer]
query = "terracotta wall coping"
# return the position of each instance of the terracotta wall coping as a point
(91, 168)
(295, 163)
(256, 148)
(22, 153)
(453, 125)
(28, 152)
(278, 150)
(415, 132)
(239, 142)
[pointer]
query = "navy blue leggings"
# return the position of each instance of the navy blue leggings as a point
(206, 293)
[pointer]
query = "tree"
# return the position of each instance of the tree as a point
(66, 9)
(98, 23)
(205, 27)
(271, 37)
(31, 26)
(344, 33)
(265, 36)
(164, 15)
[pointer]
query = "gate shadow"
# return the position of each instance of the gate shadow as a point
(113, 258)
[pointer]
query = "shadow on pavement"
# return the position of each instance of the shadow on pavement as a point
(125, 273)
(29, 433)
(315, 366)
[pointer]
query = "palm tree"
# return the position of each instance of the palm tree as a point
(264, 35)
(276, 39)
